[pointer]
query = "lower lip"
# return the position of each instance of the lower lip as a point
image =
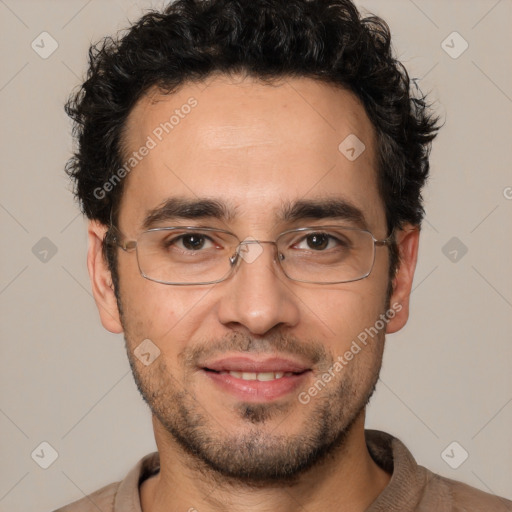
(255, 390)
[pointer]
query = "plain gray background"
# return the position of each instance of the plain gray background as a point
(65, 381)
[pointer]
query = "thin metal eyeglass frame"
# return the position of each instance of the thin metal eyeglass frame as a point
(235, 259)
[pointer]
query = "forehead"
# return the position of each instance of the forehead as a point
(252, 145)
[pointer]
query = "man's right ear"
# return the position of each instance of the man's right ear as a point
(101, 279)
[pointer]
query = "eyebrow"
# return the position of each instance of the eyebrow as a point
(181, 208)
(189, 209)
(320, 209)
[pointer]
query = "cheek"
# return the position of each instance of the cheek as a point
(168, 316)
(150, 310)
(352, 308)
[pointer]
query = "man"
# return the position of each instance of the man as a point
(252, 172)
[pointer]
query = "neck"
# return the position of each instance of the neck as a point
(348, 480)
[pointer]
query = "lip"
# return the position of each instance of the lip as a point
(248, 364)
(254, 390)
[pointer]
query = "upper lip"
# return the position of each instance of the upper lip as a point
(260, 365)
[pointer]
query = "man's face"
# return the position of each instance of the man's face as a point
(255, 148)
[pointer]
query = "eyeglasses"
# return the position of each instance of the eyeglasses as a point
(188, 255)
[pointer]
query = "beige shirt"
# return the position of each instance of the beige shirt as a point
(412, 488)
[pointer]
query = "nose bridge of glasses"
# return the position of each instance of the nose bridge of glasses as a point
(250, 240)
(250, 249)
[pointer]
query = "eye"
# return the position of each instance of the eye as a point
(321, 241)
(190, 242)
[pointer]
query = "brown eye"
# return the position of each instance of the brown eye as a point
(193, 242)
(318, 241)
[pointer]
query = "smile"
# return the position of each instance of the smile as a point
(261, 376)
(257, 387)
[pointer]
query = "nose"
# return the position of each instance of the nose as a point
(258, 295)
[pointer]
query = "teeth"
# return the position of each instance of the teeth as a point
(266, 376)
(262, 376)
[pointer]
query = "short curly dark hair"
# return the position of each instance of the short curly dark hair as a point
(327, 40)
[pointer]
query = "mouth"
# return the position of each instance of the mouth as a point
(260, 376)
(256, 380)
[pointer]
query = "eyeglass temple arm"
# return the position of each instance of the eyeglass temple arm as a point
(112, 238)
(386, 241)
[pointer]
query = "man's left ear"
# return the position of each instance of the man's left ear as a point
(407, 240)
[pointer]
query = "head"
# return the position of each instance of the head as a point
(235, 114)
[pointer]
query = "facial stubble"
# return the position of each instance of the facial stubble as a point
(257, 454)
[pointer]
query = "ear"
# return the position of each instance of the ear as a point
(407, 240)
(101, 279)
